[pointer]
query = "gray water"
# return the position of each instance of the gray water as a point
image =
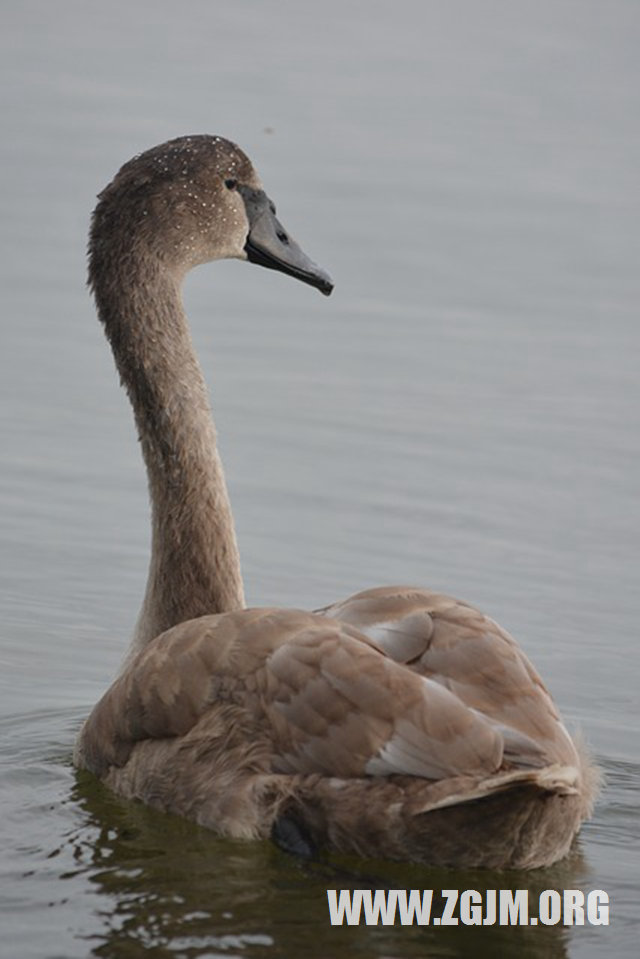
(462, 414)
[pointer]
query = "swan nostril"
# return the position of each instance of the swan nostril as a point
(282, 236)
(231, 184)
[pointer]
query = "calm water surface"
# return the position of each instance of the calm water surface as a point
(462, 414)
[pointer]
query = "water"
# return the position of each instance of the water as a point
(462, 414)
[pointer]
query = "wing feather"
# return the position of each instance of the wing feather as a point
(325, 697)
(458, 647)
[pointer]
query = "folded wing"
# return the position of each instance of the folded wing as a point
(455, 646)
(316, 693)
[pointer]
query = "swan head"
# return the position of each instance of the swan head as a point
(193, 200)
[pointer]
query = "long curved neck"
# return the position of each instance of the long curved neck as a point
(195, 566)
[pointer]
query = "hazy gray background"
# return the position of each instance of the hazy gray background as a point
(461, 414)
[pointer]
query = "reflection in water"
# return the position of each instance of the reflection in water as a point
(165, 880)
(174, 888)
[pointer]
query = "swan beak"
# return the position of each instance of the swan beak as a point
(270, 245)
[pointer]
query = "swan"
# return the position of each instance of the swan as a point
(397, 723)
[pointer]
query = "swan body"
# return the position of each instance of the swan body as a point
(397, 723)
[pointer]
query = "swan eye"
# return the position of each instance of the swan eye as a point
(231, 184)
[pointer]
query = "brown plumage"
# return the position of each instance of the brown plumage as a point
(398, 723)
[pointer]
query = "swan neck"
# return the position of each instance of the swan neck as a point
(195, 567)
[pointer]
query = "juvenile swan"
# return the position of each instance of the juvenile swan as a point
(398, 723)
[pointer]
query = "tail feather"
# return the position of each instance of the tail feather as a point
(562, 780)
